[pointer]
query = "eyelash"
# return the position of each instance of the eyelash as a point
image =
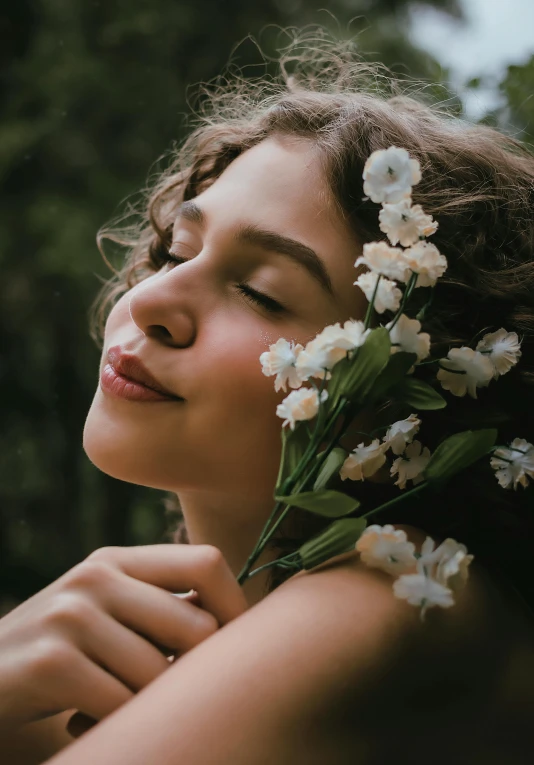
(259, 298)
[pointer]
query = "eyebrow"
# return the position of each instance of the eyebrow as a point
(269, 240)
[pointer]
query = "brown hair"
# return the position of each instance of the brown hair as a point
(477, 183)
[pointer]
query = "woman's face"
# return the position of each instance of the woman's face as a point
(200, 334)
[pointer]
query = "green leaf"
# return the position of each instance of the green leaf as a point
(459, 452)
(328, 503)
(355, 378)
(418, 394)
(294, 443)
(330, 466)
(395, 371)
(339, 537)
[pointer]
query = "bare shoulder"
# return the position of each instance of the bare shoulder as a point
(469, 670)
(328, 668)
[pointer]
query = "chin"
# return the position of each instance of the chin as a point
(123, 455)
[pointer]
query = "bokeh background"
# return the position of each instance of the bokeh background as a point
(91, 94)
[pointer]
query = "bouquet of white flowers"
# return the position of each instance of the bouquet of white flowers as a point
(356, 367)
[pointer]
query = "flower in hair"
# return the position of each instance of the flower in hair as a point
(401, 433)
(448, 564)
(514, 464)
(389, 175)
(464, 370)
(280, 360)
(406, 336)
(386, 548)
(387, 296)
(424, 259)
(364, 461)
(405, 223)
(423, 591)
(382, 259)
(301, 404)
(502, 348)
(410, 466)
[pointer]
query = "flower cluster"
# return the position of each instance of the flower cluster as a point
(426, 579)
(464, 370)
(293, 364)
(346, 370)
(388, 178)
(412, 458)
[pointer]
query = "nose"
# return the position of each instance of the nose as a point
(162, 314)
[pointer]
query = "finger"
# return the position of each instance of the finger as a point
(123, 653)
(167, 621)
(180, 568)
(85, 686)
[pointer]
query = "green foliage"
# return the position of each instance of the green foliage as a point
(339, 537)
(324, 502)
(459, 452)
(330, 467)
(417, 394)
(355, 378)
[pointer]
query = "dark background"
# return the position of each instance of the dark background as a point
(91, 94)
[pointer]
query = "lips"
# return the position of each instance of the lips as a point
(132, 369)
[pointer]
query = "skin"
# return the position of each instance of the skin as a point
(200, 337)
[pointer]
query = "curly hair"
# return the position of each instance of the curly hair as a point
(477, 183)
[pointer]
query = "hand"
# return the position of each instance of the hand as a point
(105, 629)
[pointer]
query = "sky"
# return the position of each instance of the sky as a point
(496, 33)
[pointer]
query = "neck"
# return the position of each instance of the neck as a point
(229, 524)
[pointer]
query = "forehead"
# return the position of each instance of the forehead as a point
(280, 185)
(280, 175)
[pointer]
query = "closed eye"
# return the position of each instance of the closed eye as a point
(258, 298)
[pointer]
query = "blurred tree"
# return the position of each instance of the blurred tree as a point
(91, 94)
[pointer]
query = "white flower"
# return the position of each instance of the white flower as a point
(420, 590)
(464, 370)
(386, 548)
(514, 464)
(355, 333)
(425, 259)
(405, 223)
(301, 404)
(411, 465)
(401, 433)
(363, 461)
(405, 336)
(388, 295)
(389, 175)
(323, 352)
(502, 347)
(448, 564)
(328, 347)
(280, 360)
(382, 259)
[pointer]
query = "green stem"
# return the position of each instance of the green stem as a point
(408, 291)
(432, 361)
(268, 529)
(291, 560)
(370, 307)
(394, 501)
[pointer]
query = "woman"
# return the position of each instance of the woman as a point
(252, 235)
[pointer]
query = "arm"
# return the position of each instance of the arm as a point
(325, 668)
